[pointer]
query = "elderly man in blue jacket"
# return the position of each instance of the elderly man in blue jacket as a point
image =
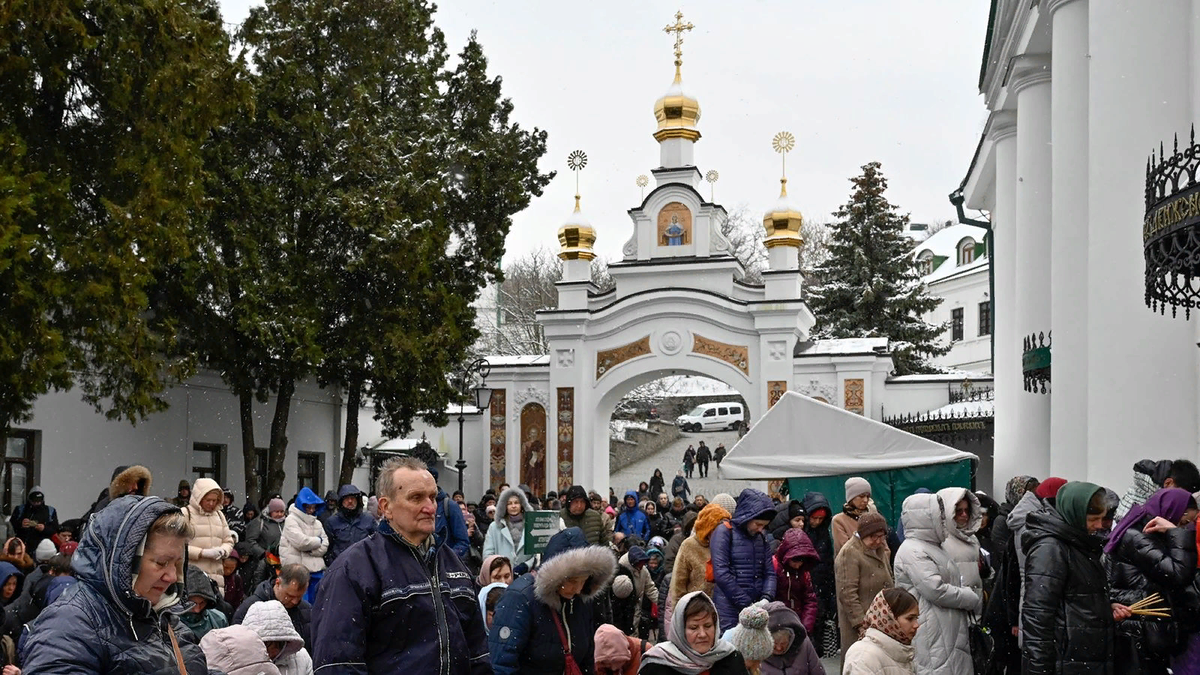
(399, 602)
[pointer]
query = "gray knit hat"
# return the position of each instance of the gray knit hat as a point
(856, 486)
(751, 636)
(726, 501)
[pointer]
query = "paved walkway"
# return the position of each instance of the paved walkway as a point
(670, 460)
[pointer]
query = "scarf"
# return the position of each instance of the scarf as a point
(516, 527)
(1169, 503)
(677, 655)
(853, 512)
(1015, 489)
(1072, 502)
(880, 617)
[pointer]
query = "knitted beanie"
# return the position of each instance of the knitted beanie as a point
(726, 501)
(276, 504)
(751, 636)
(622, 586)
(869, 524)
(45, 550)
(856, 486)
(1049, 488)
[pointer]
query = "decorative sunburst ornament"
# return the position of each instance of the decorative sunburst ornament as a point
(575, 162)
(642, 181)
(712, 176)
(783, 143)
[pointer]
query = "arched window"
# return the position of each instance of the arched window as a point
(966, 251)
(925, 263)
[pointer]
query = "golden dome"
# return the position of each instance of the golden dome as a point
(577, 237)
(677, 113)
(783, 221)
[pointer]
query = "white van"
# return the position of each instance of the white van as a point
(712, 416)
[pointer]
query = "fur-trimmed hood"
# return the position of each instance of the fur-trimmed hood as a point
(502, 503)
(568, 555)
(130, 480)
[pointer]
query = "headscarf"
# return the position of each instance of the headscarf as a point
(1169, 503)
(677, 655)
(1015, 489)
(1050, 487)
(1072, 502)
(880, 617)
(485, 570)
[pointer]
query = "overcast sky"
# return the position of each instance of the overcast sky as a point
(853, 80)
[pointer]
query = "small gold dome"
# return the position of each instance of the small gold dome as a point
(783, 221)
(577, 237)
(677, 113)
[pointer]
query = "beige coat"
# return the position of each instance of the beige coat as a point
(878, 654)
(861, 573)
(211, 531)
(844, 528)
(303, 540)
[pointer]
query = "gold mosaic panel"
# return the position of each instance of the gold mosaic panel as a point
(608, 359)
(734, 355)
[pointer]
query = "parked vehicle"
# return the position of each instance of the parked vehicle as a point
(712, 417)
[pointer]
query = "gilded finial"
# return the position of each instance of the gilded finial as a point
(576, 236)
(642, 181)
(783, 143)
(712, 176)
(678, 28)
(576, 161)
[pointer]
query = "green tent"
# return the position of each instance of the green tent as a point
(815, 447)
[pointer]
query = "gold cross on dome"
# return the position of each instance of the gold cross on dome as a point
(678, 28)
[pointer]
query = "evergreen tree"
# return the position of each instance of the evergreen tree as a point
(104, 105)
(870, 285)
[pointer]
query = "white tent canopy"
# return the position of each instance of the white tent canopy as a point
(800, 437)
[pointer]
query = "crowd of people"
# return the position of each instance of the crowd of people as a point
(1056, 576)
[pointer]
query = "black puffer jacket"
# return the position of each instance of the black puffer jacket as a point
(822, 540)
(99, 625)
(1066, 619)
(1144, 564)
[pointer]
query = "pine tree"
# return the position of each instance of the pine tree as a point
(104, 106)
(870, 285)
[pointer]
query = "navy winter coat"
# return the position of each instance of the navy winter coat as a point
(524, 638)
(347, 527)
(375, 612)
(742, 566)
(99, 625)
(450, 527)
(633, 521)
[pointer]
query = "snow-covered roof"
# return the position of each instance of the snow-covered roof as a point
(982, 408)
(952, 376)
(945, 241)
(948, 270)
(833, 347)
(521, 360)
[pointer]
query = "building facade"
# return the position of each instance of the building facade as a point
(1081, 92)
(954, 265)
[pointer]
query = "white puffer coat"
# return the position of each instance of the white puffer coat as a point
(211, 532)
(925, 569)
(961, 543)
(303, 540)
(271, 621)
(878, 654)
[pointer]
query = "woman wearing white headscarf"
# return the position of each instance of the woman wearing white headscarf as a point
(695, 645)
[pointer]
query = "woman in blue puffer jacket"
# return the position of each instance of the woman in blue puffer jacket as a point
(741, 558)
(130, 567)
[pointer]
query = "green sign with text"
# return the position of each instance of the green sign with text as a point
(539, 527)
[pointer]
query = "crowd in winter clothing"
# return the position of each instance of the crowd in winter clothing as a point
(1045, 579)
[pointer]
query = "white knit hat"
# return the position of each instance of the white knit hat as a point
(45, 550)
(751, 636)
(271, 621)
(856, 486)
(622, 586)
(726, 501)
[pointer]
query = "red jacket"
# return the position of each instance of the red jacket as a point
(794, 587)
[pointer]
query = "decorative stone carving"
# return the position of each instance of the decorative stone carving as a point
(566, 438)
(777, 349)
(497, 435)
(735, 355)
(670, 343)
(775, 391)
(522, 397)
(854, 395)
(565, 358)
(824, 392)
(608, 359)
(629, 250)
(718, 242)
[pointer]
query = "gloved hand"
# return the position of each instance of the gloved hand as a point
(212, 553)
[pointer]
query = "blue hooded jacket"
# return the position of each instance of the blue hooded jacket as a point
(347, 527)
(7, 570)
(375, 612)
(633, 521)
(98, 625)
(742, 564)
(524, 637)
(449, 525)
(306, 497)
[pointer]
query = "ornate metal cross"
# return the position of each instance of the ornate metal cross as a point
(678, 28)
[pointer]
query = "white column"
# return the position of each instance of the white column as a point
(1009, 456)
(1142, 399)
(1029, 81)
(1068, 237)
